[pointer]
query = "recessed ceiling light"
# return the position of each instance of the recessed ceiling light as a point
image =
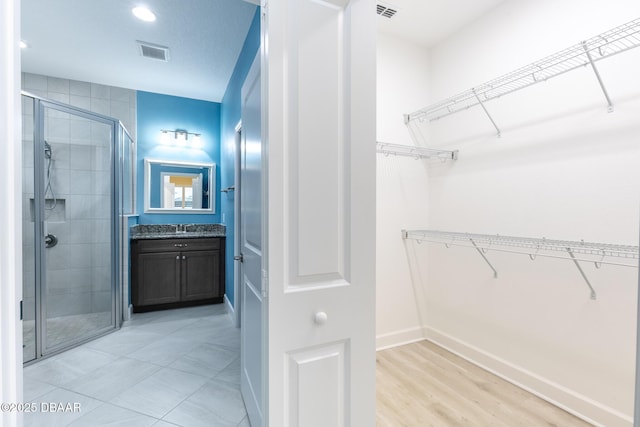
(23, 44)
(143, 14)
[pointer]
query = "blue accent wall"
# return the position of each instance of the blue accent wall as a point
(156, 112)
(230, 116)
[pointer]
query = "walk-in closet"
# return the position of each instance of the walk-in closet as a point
(508, 195)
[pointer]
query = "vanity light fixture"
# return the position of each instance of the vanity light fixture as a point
(180, 138)
(143, 14)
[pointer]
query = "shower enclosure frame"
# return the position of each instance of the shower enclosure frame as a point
(116, 148)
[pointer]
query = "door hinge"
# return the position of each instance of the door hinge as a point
(265, 284)
(239, 258)
(20, 309)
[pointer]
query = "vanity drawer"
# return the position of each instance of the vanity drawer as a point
(172, 245)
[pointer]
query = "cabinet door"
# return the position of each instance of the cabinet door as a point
(201, 274)
(158, 278)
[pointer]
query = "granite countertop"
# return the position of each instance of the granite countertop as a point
(176, 231)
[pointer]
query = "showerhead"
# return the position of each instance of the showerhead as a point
(47, 150)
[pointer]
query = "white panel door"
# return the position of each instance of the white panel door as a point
(251, 247)
(319, 76)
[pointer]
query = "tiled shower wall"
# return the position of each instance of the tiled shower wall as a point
(106, 100)
(77, 272)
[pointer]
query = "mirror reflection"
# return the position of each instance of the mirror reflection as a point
(172, 186)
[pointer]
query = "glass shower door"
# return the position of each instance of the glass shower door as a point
(75, 220)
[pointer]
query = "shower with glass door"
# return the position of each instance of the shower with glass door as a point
(72, 204)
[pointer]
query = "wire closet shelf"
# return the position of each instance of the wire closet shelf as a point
(415, 152)
(599, 253)
(605, 45)
(596, 253)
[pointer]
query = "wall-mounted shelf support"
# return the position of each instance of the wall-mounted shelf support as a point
(416, 152)
(595, 70)
(584, 276)
(487, 112)
(481, 252)
(597, 253)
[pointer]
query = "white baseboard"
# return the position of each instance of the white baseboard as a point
(230, 309)
(575, 403)
(128, 312)
(398, 338)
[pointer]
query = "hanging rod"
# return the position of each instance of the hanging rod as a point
(415, 152)
(605, 45)
(597, 253)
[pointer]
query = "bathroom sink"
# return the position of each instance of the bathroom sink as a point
(176, 231)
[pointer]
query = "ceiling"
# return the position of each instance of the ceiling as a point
(427, 22)
(95, 40)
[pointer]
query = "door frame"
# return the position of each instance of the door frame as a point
(11, 213)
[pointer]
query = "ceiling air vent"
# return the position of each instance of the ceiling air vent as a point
(386, 11)
(154, 51)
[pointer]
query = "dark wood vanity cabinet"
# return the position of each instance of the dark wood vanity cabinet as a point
(168, 273)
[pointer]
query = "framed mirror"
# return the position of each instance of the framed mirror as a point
(179, 187)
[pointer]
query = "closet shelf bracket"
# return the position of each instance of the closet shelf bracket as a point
(584, 276)
(595, 70)
(495, 272)
(486, 112)
(415, 152)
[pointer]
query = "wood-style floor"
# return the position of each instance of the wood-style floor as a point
(423, 385)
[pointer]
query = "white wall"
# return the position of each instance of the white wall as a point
(563, 169)
(401, 191)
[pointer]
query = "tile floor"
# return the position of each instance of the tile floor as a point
(163, 369)
(62, 329)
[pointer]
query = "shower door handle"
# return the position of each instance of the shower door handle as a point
(50, 241)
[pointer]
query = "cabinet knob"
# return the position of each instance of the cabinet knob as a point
(320, 318)
(177, 245)
(184, 257)
(177, 256)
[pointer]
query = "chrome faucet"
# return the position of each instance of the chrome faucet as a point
(181, 228)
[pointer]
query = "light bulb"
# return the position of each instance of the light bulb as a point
(164, 137)
(181, 138)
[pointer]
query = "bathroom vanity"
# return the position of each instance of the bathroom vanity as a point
(176, 265)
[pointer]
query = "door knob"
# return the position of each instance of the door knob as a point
(320, 318)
